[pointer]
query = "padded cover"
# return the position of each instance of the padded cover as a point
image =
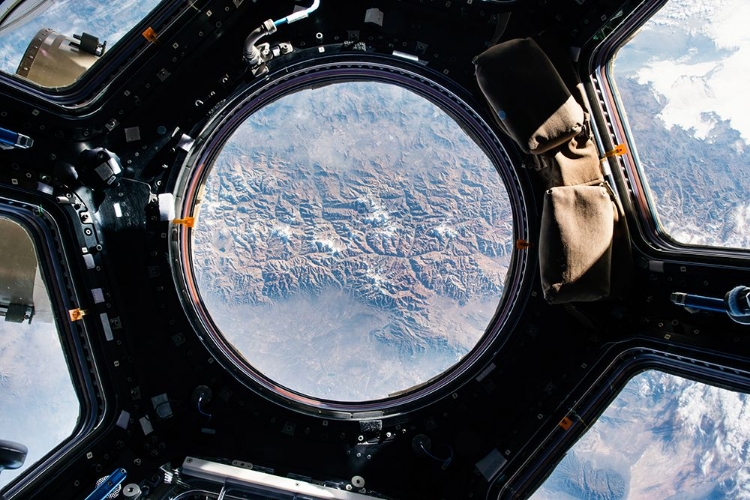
(575, 243)
(531, 102)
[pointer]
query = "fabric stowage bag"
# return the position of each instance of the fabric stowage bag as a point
(584, 248)
(530, 99)
(575, 243)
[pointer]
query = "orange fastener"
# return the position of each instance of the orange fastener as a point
(565, 423)
(150, 35)
(619, 150)
(76, 314)
(187, 221)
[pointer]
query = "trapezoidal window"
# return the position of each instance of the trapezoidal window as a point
(39, 406)
(353, 242)
(53, 42)
(662, 437)
(682, 82)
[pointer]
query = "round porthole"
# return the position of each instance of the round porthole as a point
(354, 238)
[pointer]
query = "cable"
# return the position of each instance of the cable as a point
(200, 410)
(291, 18)
(586, 427)
(192, 493)
(446, 461)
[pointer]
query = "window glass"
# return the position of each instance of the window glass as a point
(683, 82)
(39, 407)
(662, 437)
(353, 241)
(48, 59)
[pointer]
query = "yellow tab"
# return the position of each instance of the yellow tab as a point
(619, 150)
(76, 314)
(187, 221)
(150, 35)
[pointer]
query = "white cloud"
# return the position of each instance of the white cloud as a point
(328, 246)
(718, 81)
(284, 233)
(444, 231)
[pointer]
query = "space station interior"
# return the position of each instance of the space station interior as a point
(256, 249)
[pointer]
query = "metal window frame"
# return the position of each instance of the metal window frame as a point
(612, 128)
(334, 68)
(54, 267)
(720, 371)
(93, 81)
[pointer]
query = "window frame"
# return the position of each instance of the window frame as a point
(54, 270)
(334, 67)
(113, 62)
(602, 390)
(613, 128)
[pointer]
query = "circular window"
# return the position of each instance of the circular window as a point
(352, 240)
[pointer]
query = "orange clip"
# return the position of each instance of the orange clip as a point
(565, 423)
(187, 221)
(523, 244)
(619, 150)
(76, 314)
(150, 35)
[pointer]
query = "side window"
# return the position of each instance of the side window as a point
(53, 42)
(662, 437)
(39, 406)
(682, 81)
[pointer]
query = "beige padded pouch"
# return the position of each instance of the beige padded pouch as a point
(530, 99)
(575, 243)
